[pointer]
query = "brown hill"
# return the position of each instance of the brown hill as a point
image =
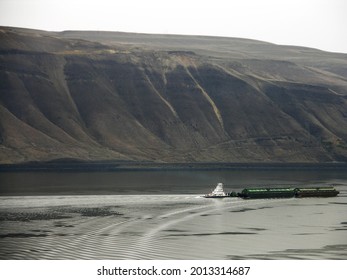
(121, 96)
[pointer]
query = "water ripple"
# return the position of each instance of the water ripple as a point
(173, 227)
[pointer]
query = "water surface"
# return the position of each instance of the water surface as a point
(160, 215)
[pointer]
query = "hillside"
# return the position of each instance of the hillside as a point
(165, 98)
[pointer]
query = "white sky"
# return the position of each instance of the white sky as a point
(320, 24)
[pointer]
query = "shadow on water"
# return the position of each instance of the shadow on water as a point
(157, 182)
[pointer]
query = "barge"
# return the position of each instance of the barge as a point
(316, 192)
(267, 193)
(258, 193)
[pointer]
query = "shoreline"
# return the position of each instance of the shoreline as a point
(114, 166)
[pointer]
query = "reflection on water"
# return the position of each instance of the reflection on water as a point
(171, 225)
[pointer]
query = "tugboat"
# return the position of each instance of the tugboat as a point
(218, 192)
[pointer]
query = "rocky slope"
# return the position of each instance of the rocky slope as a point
(120, 96)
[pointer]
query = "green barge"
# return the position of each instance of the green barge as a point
(267, 193)
(316, 192)
(254, 193)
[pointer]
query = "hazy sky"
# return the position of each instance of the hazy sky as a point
(314, 23)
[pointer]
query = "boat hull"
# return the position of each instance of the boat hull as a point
(216, 196)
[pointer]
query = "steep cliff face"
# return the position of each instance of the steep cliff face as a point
(96, 96)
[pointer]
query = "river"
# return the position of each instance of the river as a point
(161, 215)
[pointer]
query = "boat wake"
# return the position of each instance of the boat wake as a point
(167, 227)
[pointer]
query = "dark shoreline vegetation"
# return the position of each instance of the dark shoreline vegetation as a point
(110, 166)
